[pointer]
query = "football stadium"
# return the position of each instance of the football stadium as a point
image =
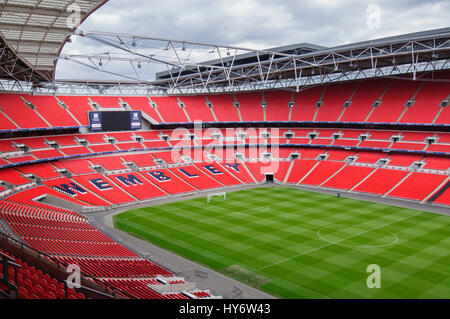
(294, 172)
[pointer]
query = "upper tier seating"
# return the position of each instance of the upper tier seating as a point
(344, 102)
(78, 106)
(197, 109)
(169, 110)
(277, 108)
(393, 101)
(333, 101)
(250, 106)
(361, 105)
(224, 108)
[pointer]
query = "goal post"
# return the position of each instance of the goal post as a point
(210, 196)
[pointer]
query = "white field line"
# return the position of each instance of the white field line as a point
(336, 242)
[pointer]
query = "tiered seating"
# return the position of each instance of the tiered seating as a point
(155, 144)
(166, 180)
(277, 105)
(340, 155)
(76, 166)
(361, 103)
(439, 148)
(321, 141)
(415, 136)
(374, 144)
(130, 146)
(305, 104)
(394, 101)
(137, 186)
(70, 188)
(444, 198)
(14, 107)
(110, 163)
(93, 138)
(27, 197)
(141, 160)
(403, 160)
(47, 154)
(258, 169)
(78, 107)
(197, 109)
(43, 170)
(368, 157)
(53, 113)
(138, 288)
(104, 188)
(6, 146)
(169, 109)
(79, 248)
(282, 169)
(20, 159)
(63, 140)
(171, 157)
(5, 123)
(427, 103)
(10, 175)
(444, 116)
(70, 238)
(32, 283)
(333, 101)
(75, 150)
(300, 168)
(322, 172)
(104, 148)
(348, 177)
(139, 103)
(117, 267)
(121, 136)
(418, 186)
(201, 294)
(218, 173)
(195, 177)
(58, 233)
(238, 169)
(437, 163)
(32, 142)
(223, 108)
(250, 106)
(106, 102)
(408, 146)
(381, 181)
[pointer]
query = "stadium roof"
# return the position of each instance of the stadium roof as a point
(33, 33)
(408, 53)
(189, 67)
(250, 57)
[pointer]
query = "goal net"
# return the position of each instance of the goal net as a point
(210, 196)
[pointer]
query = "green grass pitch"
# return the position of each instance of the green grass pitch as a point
(298, 244)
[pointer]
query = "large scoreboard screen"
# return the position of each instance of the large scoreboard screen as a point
(115, 120)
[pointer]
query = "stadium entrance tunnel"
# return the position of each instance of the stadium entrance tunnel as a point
(269, 178)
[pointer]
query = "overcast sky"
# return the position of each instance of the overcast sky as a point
(258, 24)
